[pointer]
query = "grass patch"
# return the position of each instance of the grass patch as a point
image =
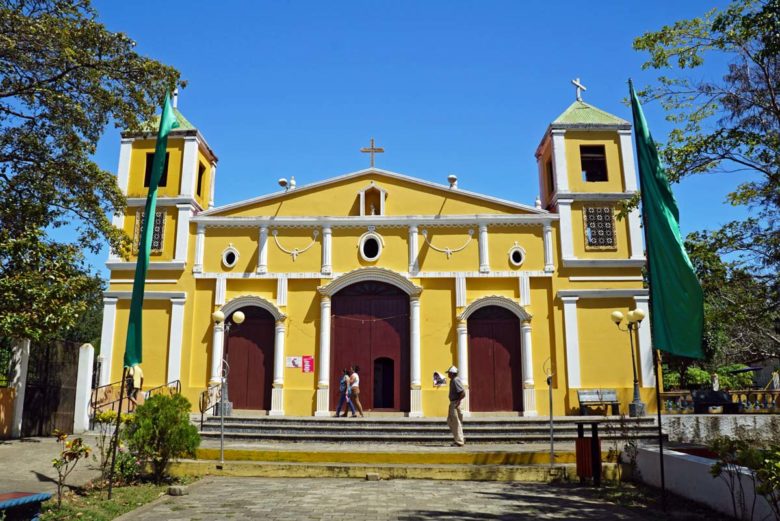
(93, 504)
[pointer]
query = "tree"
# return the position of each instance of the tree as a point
(63, 78)
(729, 125)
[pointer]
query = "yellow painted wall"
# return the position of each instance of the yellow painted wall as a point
(7, 396)
(156, 333)
(502, 238)
(169, 233)
(135, 187)
(429, 259)
(574, 139)
(303, 326)
(290, 239)
(218, 239)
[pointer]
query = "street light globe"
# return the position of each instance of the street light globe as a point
(238, 317)
(639, 315)
(617, 317)
(218, 316)
(630, 316)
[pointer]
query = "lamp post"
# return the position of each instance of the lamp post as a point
(634, 318)
(219, 317)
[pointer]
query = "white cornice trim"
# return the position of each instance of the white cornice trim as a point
(496, 300)
(604, 278)
(159, 265)
(148, 281)
(376, 171)
(252, 300)
(164, 201)
(377, 220)
(603, 263)
(601, 293)
(611, 197)
(371, 273)
(148, 295)
(419, 275)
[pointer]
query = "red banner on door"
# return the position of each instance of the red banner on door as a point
(308, 364)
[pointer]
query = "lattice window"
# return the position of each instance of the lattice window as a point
(599, 228)
(158, 231)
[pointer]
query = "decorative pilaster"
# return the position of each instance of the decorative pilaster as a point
(463, 351)
(627, 158)
(220, 289)
(549, 263)
(19, 362)
(635, 234)
(323, 407)
(572, 336)
(189, 167)
(200, 245)
(217, 343)
(460, 290)
(327, 247)
(182, 232)
(213, 184)
(83, 388)
(123, 170)
(566, 229)
(281, 291)
(529, 390)
(645, 340)
(484, 259)
(176, 339)
(262, 255)
(277, 393)
(559, 160)
(414, 266)
(107, 338)
(415, 410)
(524, 281)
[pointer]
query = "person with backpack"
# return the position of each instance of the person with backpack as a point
(344, 395)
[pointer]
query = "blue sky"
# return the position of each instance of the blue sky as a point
(282, 88)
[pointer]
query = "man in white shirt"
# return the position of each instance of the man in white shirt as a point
(455, 415)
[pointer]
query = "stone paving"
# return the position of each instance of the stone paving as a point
(325, 499)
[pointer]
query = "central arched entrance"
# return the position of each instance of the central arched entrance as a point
(250, 357)
(495, 372)
(371, 329)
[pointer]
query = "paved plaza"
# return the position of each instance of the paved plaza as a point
(325, 499)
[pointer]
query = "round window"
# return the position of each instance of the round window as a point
(229, 257)
(516, 255)
(370, 246)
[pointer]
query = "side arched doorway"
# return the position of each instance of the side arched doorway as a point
(495, 368)
(370, 328)
(250, 357)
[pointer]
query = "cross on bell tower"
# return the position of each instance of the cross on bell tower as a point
(372, 150)
(580, 87)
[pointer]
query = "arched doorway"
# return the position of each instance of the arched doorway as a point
(250, 357)
(370, 325)
(495, 373)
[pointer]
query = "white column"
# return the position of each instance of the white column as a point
(200, 245)
(323, 396)
(560, 170)
(83, 388)
(566, 229)
(414, 266)
(529, 390)
(262, 254)
(484, 260)
(189, 167)
(107, 339)
(524, 282)
(463, 362)
(635, 234)
(123, 170)
(572, 336)
(217, 344)
(277, 393)
(281, 290)
(415, 410)
(220, 290)
(20, 361)
(213, 184)
(176, 339)
(549, 262)
(182, 232)
(327, 250)
(627, 157)
(646, 359)
(460, 290)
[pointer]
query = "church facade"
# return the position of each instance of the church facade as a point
(400, 276)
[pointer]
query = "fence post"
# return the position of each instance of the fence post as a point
(83, 388)
(21, 357)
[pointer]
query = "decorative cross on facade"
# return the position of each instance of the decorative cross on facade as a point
(372, 150)
(580, 88)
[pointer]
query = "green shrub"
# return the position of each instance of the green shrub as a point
(697, 377)
(735, 381)
(161, 431)
(671, 378)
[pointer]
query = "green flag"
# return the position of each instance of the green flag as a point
(677, 304)
(133, 347)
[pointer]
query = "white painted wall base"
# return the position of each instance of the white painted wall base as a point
(529, 402)
(702, 428)
(21, 358)
(322, 402)
(415, 404)
(83, 388)
(277, 402)
(464, 405)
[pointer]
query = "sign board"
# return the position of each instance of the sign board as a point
(294, 361)
(308, 364)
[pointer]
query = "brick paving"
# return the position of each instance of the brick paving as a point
(350, 499)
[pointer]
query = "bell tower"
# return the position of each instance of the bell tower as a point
(186, 188)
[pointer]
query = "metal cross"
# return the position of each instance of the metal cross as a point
(372, 150)
(580, 88)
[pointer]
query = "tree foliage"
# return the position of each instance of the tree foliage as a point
(63, 78)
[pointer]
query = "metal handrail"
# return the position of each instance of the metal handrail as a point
(209, 398)
(95, 407)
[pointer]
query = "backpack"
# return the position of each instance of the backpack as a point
(343, 385)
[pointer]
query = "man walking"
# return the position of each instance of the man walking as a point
(455, 415)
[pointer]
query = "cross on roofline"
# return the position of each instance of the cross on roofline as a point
(372, 150)
(580, 87)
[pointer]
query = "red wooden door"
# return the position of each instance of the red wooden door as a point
(371, 329)
(495, 373)
(250, 357)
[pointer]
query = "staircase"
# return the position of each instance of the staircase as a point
(421, 431)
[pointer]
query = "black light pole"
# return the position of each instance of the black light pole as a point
(636, 408)
(219, 317)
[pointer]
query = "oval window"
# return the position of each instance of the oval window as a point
(229, 257)
(516, 255)
(370, 247)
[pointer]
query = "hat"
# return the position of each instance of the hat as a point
(452, 369)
